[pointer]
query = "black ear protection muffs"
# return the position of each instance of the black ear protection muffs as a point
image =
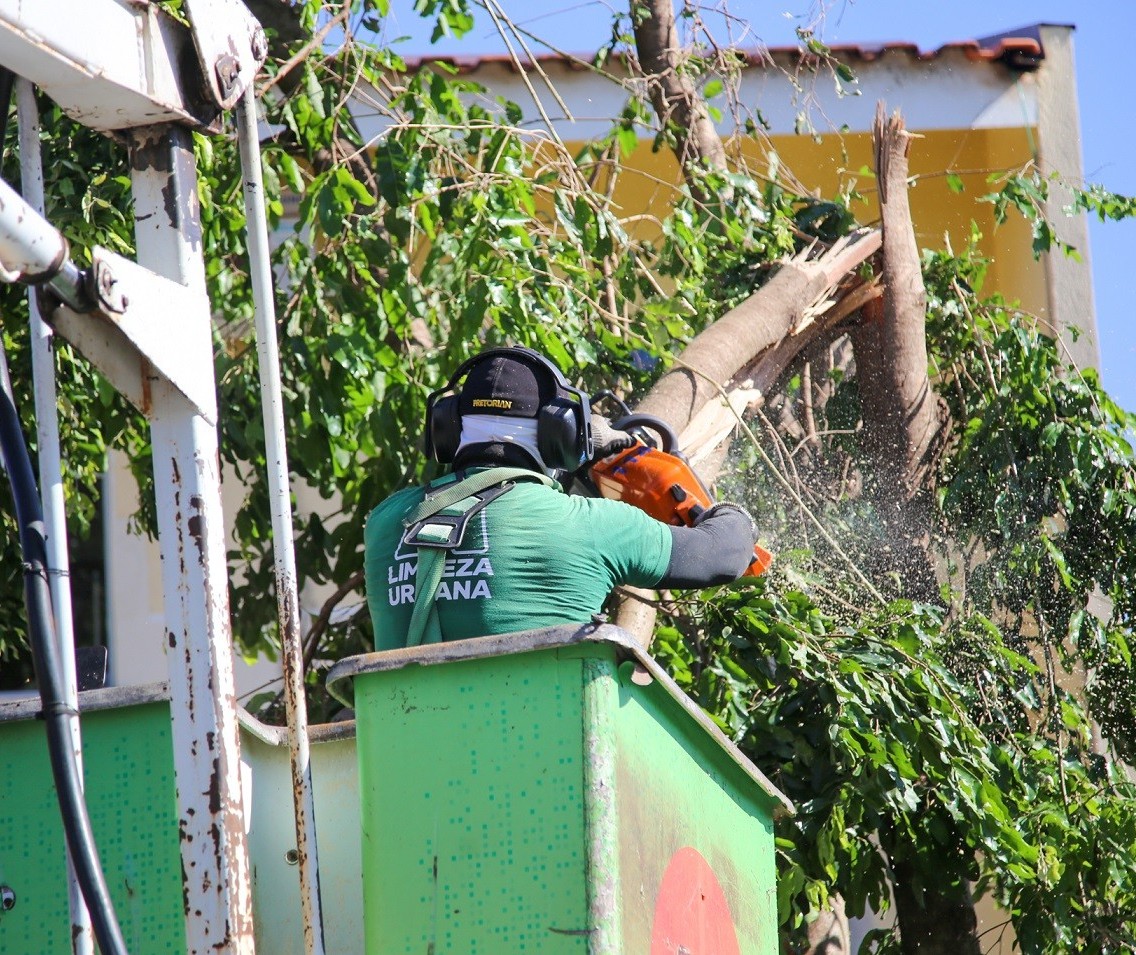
(564, 424)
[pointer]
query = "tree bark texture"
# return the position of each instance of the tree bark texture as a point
(793, 304)
(903, 418)
(934, 919)
(633, 609)
(830, 934)
(679, 105)
(778, 310)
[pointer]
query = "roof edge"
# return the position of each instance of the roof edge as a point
(1018, 49)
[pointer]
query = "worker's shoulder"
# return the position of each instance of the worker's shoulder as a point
(393, 507)
(582, 505)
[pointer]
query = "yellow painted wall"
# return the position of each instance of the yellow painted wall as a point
(825, 165)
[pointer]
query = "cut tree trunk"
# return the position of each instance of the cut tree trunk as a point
(903, 419)
(934, 919)
(792, 304)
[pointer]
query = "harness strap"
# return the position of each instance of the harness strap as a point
(456, 491)
(424, 625)
(446, 529)
(437, 526)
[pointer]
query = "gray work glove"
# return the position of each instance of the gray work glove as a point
(721, 508)
(606, 440)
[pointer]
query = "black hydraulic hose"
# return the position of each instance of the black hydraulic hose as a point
(48, 669)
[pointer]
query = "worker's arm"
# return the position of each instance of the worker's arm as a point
(716, 550)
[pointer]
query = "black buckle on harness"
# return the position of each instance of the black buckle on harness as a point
(446, 531)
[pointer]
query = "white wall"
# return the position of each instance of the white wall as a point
(947, 91)
(135, 618)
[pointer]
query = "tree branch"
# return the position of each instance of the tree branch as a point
(302, 54)
(784, 306)
(320, 624)
(680, 107)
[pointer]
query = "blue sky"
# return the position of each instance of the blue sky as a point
(1104, 32)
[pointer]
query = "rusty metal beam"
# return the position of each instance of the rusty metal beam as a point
(211, 815)
(129, 335)
(283, 546)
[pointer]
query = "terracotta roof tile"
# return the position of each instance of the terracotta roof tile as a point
(1020, 50)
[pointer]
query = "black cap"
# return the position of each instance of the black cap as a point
(503, 385)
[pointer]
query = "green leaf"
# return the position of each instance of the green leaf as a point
(628, 140)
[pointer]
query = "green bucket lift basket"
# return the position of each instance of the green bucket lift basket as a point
(553, 791)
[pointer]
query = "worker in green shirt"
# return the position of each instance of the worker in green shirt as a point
(496, 545)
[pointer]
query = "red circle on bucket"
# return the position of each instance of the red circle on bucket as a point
(691, 912)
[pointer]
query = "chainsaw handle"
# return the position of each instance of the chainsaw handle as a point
(643, 422)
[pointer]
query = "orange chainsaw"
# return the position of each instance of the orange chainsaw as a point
(655, 477)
